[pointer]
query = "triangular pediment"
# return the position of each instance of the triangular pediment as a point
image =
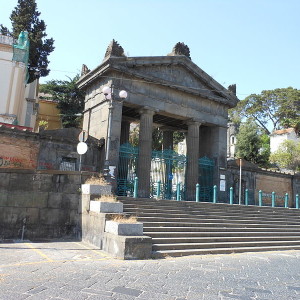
(178, 73)
(175, 72)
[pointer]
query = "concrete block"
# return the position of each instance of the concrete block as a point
(55, 200)
(127, 247)
(4, 180)
(54, 216)
(27, 199)
(73, 199)
(128, 229)
(93, 189)
(106, 207)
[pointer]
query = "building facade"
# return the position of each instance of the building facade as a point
(169, 91)
(17, 99)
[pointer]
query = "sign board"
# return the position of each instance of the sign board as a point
(222, 185)
(83, 136)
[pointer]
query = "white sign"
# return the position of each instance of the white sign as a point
(222, 176)
(222, 185)
(82, 148)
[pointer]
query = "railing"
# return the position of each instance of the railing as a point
(274, 198)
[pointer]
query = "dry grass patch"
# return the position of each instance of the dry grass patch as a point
(107, 198)
(97, 179)
(124, 219)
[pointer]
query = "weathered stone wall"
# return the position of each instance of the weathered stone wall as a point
(255, 179)
(46, 202)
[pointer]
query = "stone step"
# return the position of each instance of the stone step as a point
(217, 221)
(211, 208)
(174, 229)
(203, 205)
(224, 239)
(228, 244)
(187, 234)
(168, 215)
(218, 225)
(176, 253)
(184, 228)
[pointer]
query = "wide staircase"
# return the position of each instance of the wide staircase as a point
(182, 228)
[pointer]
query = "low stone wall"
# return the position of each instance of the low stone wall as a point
(46, 203)
(255, 179)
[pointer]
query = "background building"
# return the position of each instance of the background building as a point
(17, 99)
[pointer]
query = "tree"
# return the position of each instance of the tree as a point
(287, 156)
(279, 108)
(252, 145)
(25, 17)
(70, 99)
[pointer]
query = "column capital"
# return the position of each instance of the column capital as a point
(147, 111)
(193, 122)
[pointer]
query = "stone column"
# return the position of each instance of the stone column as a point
(167, 139)
(192, 171)
(125, 129)
(145, 152)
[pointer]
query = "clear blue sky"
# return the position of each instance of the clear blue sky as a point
(253, 43)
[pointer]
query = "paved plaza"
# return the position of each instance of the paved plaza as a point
(74, 270)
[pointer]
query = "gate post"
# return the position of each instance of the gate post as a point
(197, 192)
(273, 199)
(246, 197)
(215, 194)
(231, 196)
(286, 200)
(260, 198)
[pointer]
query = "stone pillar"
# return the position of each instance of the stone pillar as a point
(125, 129)
(168, 145)
(145, 152)
(167, 140)
(192, 170)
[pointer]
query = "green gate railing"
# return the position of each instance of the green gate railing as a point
(127, 167)
(167, 169)
(206, 174)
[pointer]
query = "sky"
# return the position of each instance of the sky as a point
(252, 43)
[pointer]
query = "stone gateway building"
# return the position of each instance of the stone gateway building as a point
(172, 93)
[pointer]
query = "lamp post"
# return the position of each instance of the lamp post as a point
(109, 95)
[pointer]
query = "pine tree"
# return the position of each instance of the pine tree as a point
(25, 17)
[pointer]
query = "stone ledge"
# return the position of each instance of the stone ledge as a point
(127, 247)
(95, 189)
(126, 229)
(106, 207)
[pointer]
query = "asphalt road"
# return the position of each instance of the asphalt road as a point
(74, 270)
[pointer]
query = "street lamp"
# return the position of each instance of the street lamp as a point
(109, 95)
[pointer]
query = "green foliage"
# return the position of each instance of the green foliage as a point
(157, 138)
(25, 17)
(70, 100)
(279, 107)
(252, 145)
(287, 156)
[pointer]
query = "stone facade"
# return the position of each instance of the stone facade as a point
(45, 202)
(176, 92)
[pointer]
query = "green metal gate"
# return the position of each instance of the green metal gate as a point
(127, 168)
(167, 169)
(206, 174)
